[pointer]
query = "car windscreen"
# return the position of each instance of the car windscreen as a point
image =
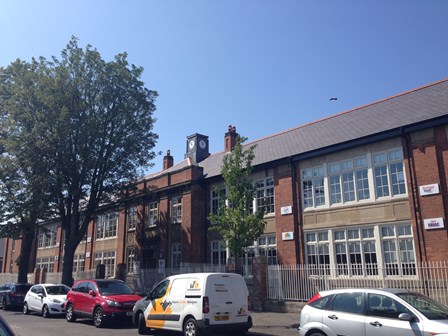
(22, 288)
(113, 288)
(57, 290)
(428, 307)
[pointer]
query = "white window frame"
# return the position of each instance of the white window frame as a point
(106, 226)
(108, 258)
(132, 217)
(151, 214)
(176, 209)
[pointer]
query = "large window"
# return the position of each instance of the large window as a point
(130, 259)
(265, 195)
(46, 262)
(132, 218)
(106, 258)
(365, 177)
(267, 246)
(78, 263)
(106, 226)
(151, 214)
(313, 187)
(47, 236)
(217, 200)
(176, 255)
(389, 174)
(176, 209)
(363, 251)
(219, 254)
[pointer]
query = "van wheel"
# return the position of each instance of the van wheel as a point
(142, 330)
(191, 328)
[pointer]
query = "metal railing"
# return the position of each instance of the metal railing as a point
(301, 282)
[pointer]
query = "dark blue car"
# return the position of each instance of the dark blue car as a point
(13, 294)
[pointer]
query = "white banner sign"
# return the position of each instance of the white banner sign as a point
(429, 189)
(434, 223)
(288, 235)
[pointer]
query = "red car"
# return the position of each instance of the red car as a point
(100, 300)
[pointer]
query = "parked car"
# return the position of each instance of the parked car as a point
(198, 303)
(368, 312)
(5, 329)
(100, 300)
(12, 295)
(46, 299)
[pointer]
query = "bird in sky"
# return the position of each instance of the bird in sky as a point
(333, 98)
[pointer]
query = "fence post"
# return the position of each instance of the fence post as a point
(100, 271)
(36, 276)
(43, 276)
(259, 288)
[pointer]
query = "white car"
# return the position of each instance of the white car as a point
(46, 299)
(372, 312)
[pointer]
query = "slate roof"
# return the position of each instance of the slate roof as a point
(405, 109)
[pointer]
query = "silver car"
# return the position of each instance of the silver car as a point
(372, 312)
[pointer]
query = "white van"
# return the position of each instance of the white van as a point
(197, 303)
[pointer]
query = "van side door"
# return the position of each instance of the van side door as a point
(175, 304)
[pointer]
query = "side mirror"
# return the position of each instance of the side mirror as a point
(406, 317)
(92, 292)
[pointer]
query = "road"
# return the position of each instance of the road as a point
(265, 324)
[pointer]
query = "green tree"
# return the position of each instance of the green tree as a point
(88, 122)
(238, 222)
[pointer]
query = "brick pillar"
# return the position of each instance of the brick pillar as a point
(259, 287)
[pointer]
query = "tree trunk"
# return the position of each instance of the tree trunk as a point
(25, 253)
(67, 264)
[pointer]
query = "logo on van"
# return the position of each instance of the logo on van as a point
(194, 285)
(165, 304)
(241, 311)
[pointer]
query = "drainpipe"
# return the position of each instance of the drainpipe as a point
(295, 212)
(414, 196)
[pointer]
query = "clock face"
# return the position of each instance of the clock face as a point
(202, 144)
(191, 144)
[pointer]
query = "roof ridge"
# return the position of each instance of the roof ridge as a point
(348, 111)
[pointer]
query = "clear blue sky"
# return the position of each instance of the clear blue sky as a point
(264, 66)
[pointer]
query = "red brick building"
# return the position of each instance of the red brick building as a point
(364, 187)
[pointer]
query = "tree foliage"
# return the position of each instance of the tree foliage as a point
(236, 219)
(86, 125)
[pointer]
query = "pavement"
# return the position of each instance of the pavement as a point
(274, 324)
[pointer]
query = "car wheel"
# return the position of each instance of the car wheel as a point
(98, 320)
(70, 313)
(317, 333)
(4, 305)
(142, 330)
(26, 311)
(45, 311)
(191, 328)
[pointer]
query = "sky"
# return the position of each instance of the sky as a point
(263, 66)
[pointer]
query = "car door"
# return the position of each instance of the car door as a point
(89, 299)
(155, 312)
(346, 315)
(32, 298)
(382, 317)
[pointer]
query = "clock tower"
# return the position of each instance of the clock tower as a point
(197, 147)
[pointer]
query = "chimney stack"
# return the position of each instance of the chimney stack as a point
(230, 138)
(167, 160)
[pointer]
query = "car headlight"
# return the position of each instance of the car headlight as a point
(55, 301)
(112, 303)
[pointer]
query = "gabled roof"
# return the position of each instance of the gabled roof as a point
(405, 109)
